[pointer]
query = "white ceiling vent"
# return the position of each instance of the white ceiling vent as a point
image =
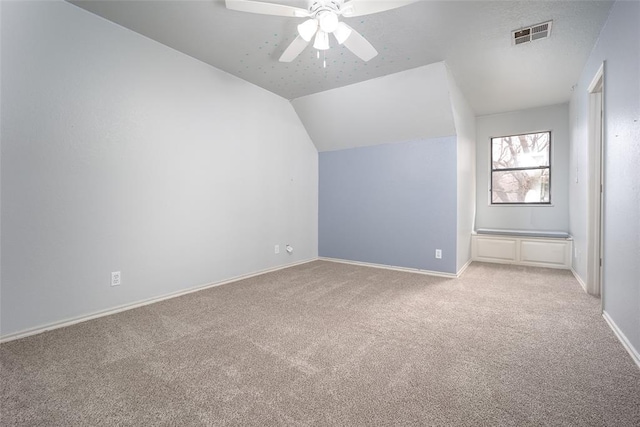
(529, 34)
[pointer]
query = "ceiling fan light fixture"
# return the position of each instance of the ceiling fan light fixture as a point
(307, 29)
(324, 20)
(328, 21)
(342, 32)
(322, 40)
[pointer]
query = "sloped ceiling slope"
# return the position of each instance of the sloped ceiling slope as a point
(412, 104)
(473, 37)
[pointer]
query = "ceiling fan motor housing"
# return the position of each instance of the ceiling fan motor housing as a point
(320, 5)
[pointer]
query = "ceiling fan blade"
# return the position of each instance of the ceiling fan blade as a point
(342, 32)
(265, 8)
(360, 46)
(294, 49)
(367, 7)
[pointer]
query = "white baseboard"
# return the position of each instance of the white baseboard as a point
(579, 279)
(390, 267)
(79, 319)
(464, 267)
(635, 356)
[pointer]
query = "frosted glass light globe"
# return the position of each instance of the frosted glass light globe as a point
(328, 22)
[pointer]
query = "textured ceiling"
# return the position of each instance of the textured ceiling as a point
(473, 37)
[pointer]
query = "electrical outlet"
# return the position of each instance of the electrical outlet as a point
(277, 249)
(115, 278)
(438, 253)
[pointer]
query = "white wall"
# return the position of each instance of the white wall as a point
(400, 107)
(555, 217)
(619, 47)
(465, 122)
(119, 153)
(1, 115)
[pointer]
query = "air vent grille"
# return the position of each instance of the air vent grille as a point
(529, 34)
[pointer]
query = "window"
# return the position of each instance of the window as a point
(521, 169)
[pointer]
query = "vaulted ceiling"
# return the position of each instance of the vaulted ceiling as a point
(472, 37)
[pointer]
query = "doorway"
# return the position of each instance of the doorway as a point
(595, 191)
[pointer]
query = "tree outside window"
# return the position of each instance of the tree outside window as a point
(521, 169)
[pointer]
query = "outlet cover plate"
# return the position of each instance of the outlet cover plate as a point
(115, 278)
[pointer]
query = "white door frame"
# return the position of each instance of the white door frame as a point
(595, 191)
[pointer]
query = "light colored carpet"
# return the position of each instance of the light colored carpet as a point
(333, 344)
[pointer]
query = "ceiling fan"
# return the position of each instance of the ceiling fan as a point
(323, 19)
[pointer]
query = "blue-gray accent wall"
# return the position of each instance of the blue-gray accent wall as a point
(391, 204)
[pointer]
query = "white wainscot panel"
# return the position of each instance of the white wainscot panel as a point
(496, 249)
(544, 253)
(522, 250)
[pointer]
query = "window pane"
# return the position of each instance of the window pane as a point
(523, 186)
(519, 151)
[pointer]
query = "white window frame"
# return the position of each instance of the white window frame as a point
(492, 170)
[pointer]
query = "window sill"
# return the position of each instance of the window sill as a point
(524, 205)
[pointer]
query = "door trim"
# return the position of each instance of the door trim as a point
(595, 191)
